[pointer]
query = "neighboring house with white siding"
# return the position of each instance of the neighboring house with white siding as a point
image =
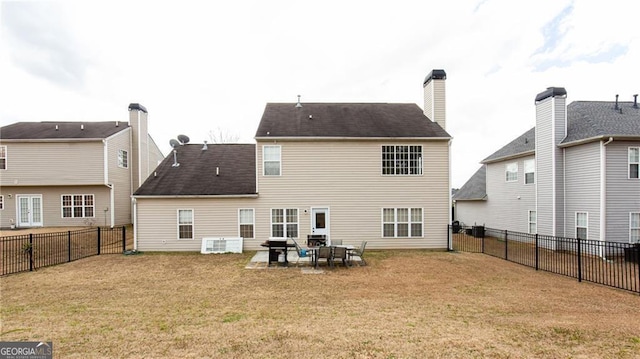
(575, 174)
(74, 173)
(351, 171)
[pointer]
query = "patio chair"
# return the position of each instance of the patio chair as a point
(339, 253)
(323, 252)
(358, 252)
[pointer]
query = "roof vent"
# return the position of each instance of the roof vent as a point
(117, 123)
(615, 108)
(82, 127)
(204, 147)
(311, 117)
(635, 101)
(175, 159)
(56, 127)
(298, 104)
(217, 171)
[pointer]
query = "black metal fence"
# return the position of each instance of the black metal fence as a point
(609, 263)
(28, 252)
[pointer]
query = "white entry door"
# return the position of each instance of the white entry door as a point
(320, 221)
(29, 210)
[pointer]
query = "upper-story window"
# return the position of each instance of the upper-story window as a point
(511, 172)
(123, 159)
(271, 160)
(401, 160)
(3, 157)
(634, 162)
(529, 171)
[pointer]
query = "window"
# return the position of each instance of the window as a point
(246, 222)
(511, 170)
(284, 223)
(3, 157)
(1, 202)
(402, 222)
(77, 206)
(634, 162)
(271, 163)
(123, 159)
(401, 160)
(533, 222)
(634, 227)
(185, 224)
(582, 219)
(529, 171)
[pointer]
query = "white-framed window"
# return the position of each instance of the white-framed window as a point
(511, 171)
(402, 222)
(78, 206)
(246, 222)
(533, 222)
(529, 171)
(284, 222)
(272, 161)
(1, 202)
(402, 160)
(634, 162)
(582, 225)
(123, 159)
(185, 224)
(3, 157)
(634, 227)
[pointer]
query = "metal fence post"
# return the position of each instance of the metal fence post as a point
(482, 239)
(537, 255)
(30, 252)
(98, 240)
(506, 245)
(579, 262)
(124, 239)
(69, 242)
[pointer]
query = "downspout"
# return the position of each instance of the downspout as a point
(135, 224)
(603, 192)
(112, 203)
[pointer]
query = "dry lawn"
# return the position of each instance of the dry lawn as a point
(405, 304)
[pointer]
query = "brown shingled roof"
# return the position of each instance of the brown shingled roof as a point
(351, 120)
(196, 174)
(61, 130)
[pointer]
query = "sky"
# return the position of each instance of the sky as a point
(203, 67)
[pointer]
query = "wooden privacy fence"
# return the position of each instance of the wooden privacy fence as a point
(28, 252)
(612, 264)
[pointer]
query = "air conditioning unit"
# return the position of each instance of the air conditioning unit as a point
(221, 245)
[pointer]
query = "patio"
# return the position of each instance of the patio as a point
(261, 259)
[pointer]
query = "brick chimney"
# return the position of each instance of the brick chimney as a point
(551, 129)
(139, 144)
(434, 97)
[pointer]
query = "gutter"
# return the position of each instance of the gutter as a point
(332, 138)
(599, 138)
(509, 157)
(198, 196)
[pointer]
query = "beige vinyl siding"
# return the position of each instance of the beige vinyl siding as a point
(583, 187)
(508, 203)
(54, 163)
(471, 213)
(435, 101)
(154, 158)
(120, 178)
(623, 194)
(157, 224)
(52, 204)
(345, 176)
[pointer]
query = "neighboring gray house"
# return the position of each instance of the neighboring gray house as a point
(351, 171)
(575, 174)
(73, 173)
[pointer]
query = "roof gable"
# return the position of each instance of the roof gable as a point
(522, 145)
(61, 130)
(350, 120)
(475, 188)
(196, 174)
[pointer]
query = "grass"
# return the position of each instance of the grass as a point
(404, 304)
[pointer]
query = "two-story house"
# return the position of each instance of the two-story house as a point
(351, 171)
(74, 173)
(575, 174)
